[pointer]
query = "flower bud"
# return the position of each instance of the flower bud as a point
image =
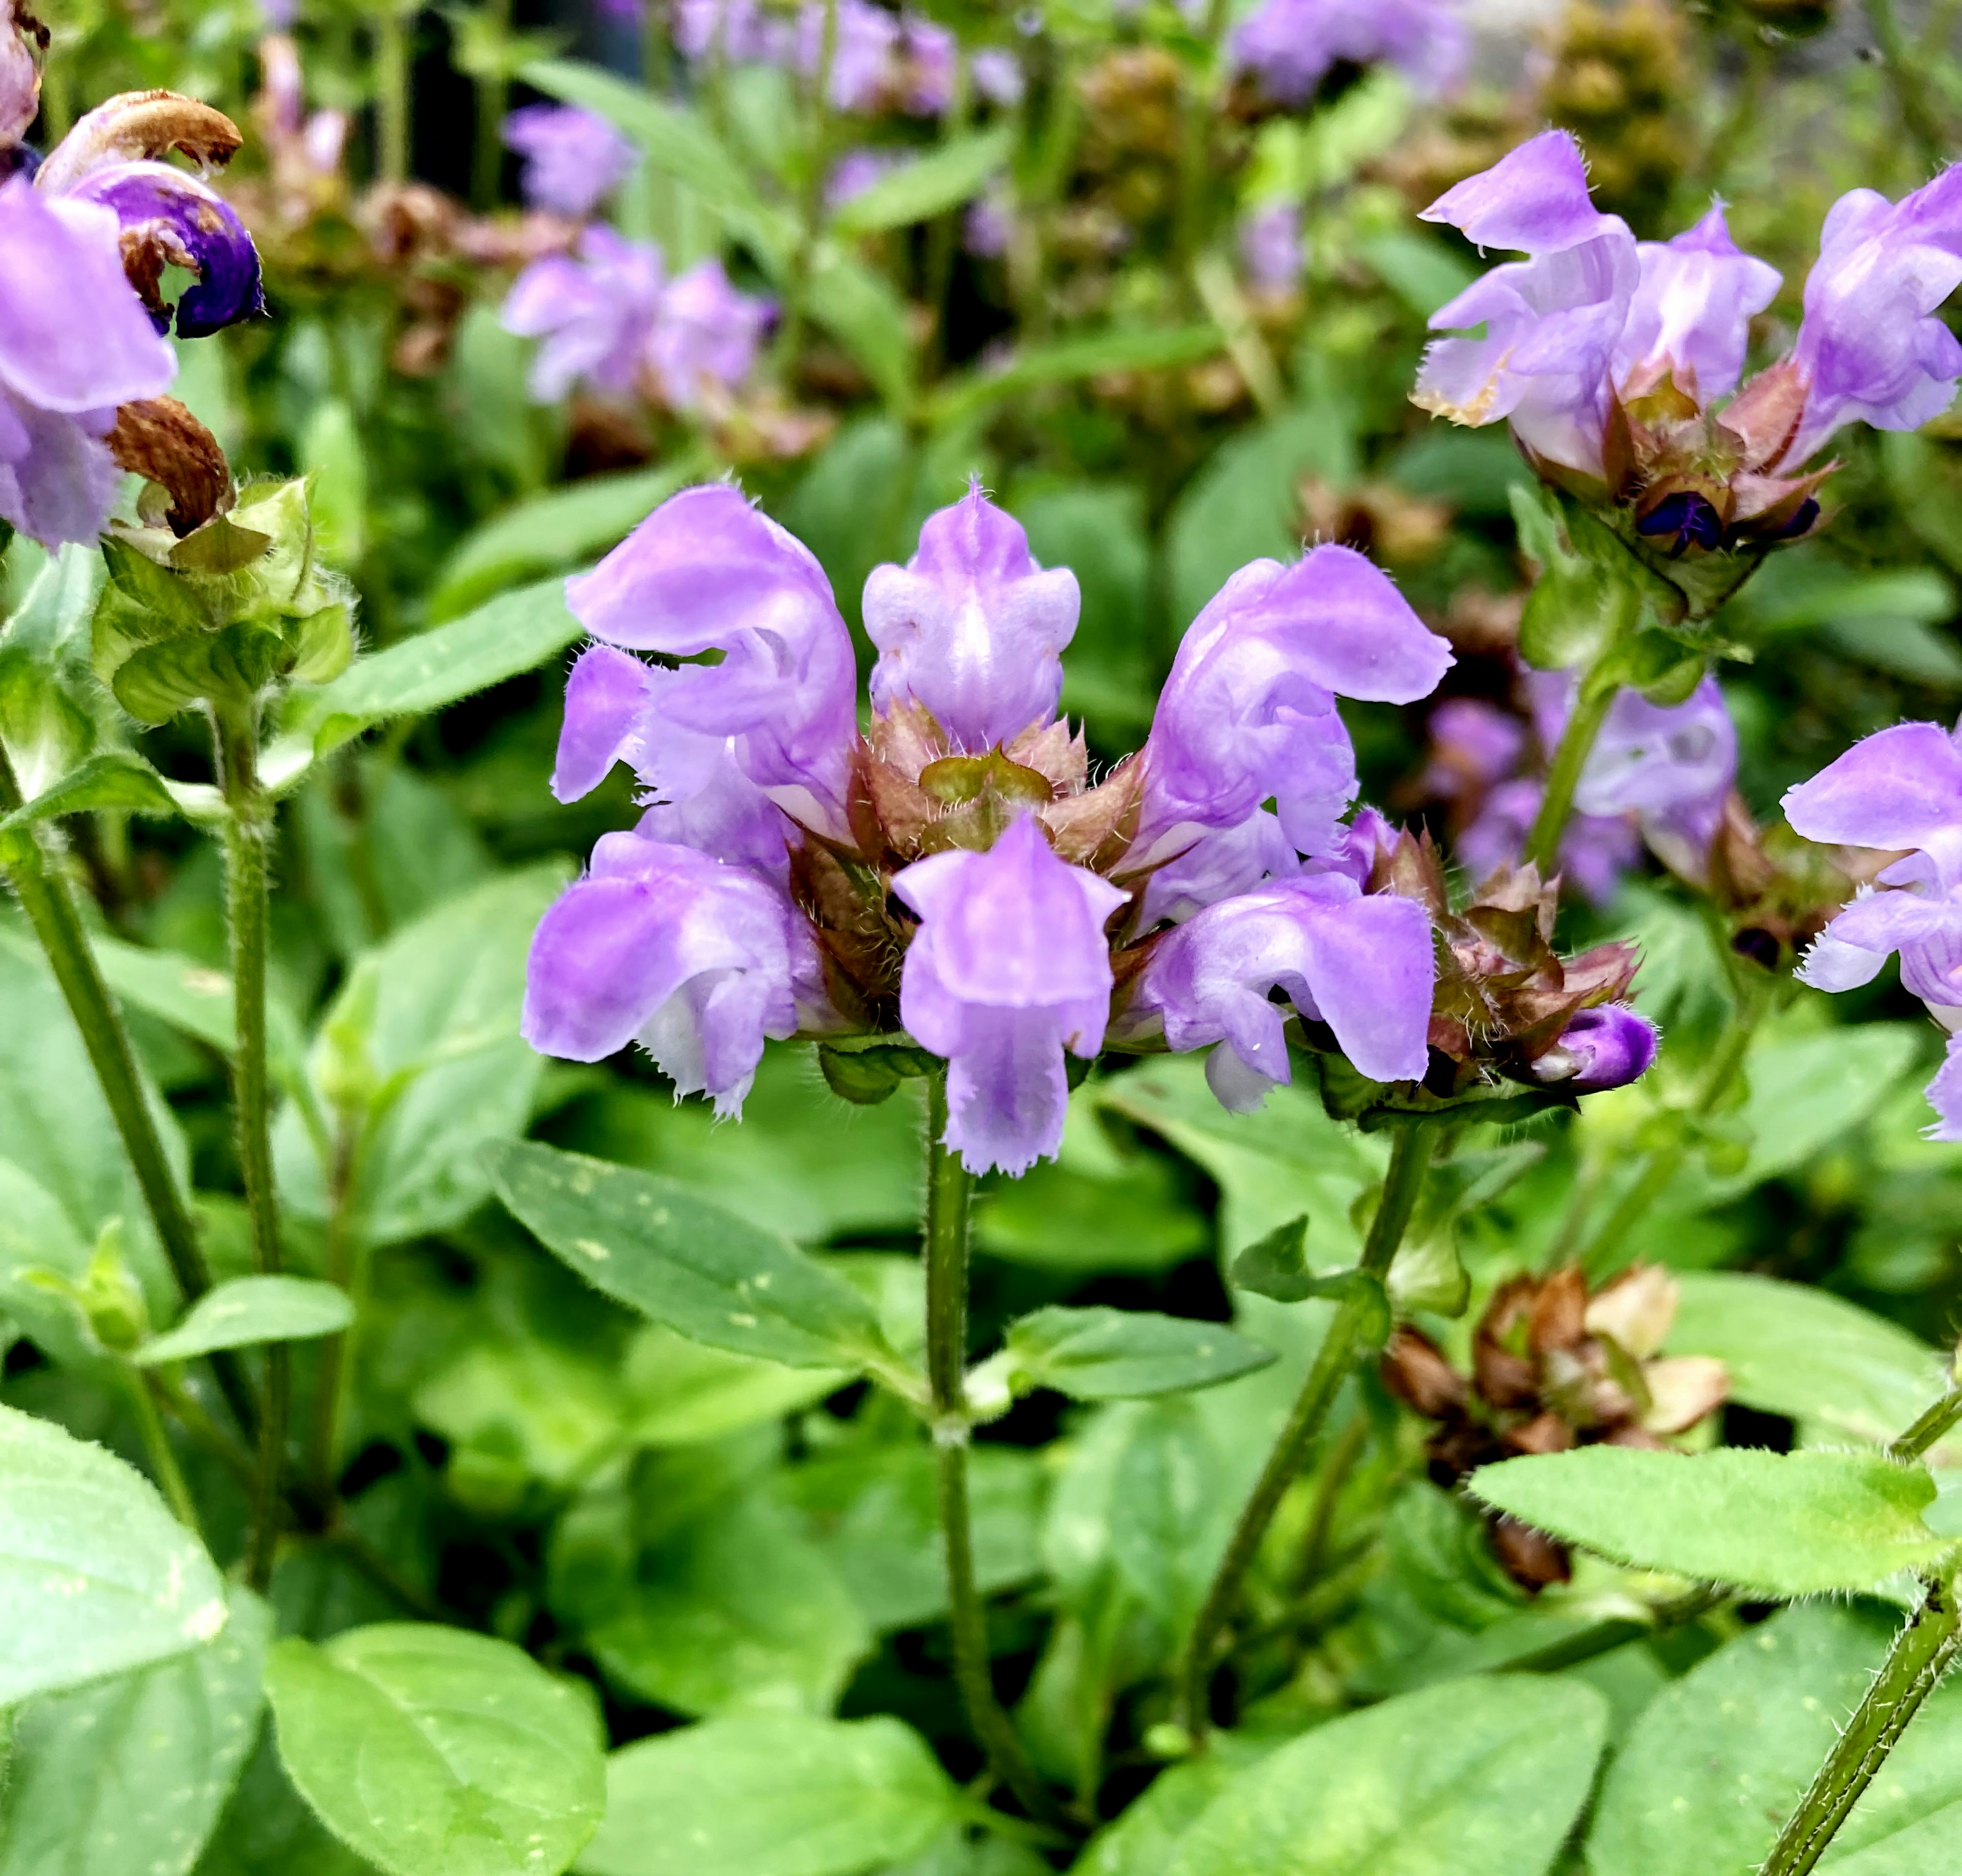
(1600, 1048)
(233, 604)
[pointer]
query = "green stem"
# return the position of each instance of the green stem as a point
(1923, 1652)
(391, 92)
(343, 1258)
(493, 94)
(248, 836)
(1348, 1448)
(1341, 1348)
(943, 233)
(1576, 744)
(157, 1444)
(1195, 116)
(948, 1190)
(44, 898)
(1905, 78)
(1928, 1428)
(811, 204)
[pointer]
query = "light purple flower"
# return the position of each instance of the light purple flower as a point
(988, 226)
(1009, 967)
(1363, 964)
(75, 343)
(1692, 311)
(574, 159)
(1672, 765)
(1217, 866)
(1248, 713)
(705, 572)
(1474, 745)
(1595, 850)
(595, 311)
(1271, 247)
(696, 960)
(1901, 787)
(1601, 1049)
(996, 76)
(1552, 321)
(706, 334)
(739, 32)
(1291, 44)
(1869, 349)
(856, 171)
(971, 629)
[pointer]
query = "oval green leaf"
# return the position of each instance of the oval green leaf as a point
(1479, 1777)
(96, 1576)
(433, 1752)
(790, 1797)
(251, 1309)
(1115, 1354)
(1783, 1524)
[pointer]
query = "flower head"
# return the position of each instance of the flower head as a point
(574, 159)
(596, 310)
(1290, 45)
(705, 336)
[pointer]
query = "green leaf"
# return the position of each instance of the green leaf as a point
(190, 996)
(682, 1392)
(685, 1263)
(735, 1608)
(790, 1797)
(867, 1075)
(1276, 1266)
(1069, 361)
(514, 633)
(558, 529)
(1718, 1758)
(96, 1576)
(251, 1309)
(1783, 1524)
(127, 1777)
(1419, 269)
(862, 311)
(1114, 1354)
(113, 779)
(928, 186)
(1479, 1777)
(433, 1752)
(1793, 1350)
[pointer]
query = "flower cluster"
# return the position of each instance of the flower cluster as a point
(83, 249)
(612, 321)
(1289, 46)
(574, 159)
(955, 871)
(1901, 792)
(1613, 358)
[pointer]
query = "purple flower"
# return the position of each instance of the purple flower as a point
(1602, 1048)
(1690, 313)
(856, 171)
(1291, 44)
(1869, 349)
(596, 314)
(997, 75)
(738, 32)
(1672, 765)
(1271, 247)
(1901, 787)
(988, 226)
(1248, 713)
(706, 335)
(1552, 321)
(574, 159)
(697, 960)
(1218, 866)
(971, 629)
(1009, 967)
(75, 343)
(705, 572)
(1474, 745)
(1595, 850)
(1364, 965)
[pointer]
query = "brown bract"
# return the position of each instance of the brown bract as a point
(136, 126)
(1554, 1367)
(911, 795)
(159, 439)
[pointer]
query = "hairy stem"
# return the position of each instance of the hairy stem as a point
(948, 1189)
(51, 912)
(157, 1444)
(1923, 1652)
(1928, 1428)
(343, 1263)
(248, 836)
(1341, 1348)
(1576, 744)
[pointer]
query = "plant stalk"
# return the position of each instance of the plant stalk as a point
(493, 94)
(343, 1260)
(157, 1444)
(949, 1187)
(248, 837)
(1576, 744)
(391, 91)
(1929, 1428)
(1340, 1347)
(1923, 1652)
(50, 911)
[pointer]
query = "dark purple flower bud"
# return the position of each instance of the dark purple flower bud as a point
(1010, 967)
(1601, 1049)
(706, 572)
(1691, 312)
(1364, 965)
(971, 628)
(1684, 519)
(169, 218)
(696, 960)
(573, 158)
(75, 343)
(1291, 44)
(1552, 321)
(1869, 349)
(1248, 713)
